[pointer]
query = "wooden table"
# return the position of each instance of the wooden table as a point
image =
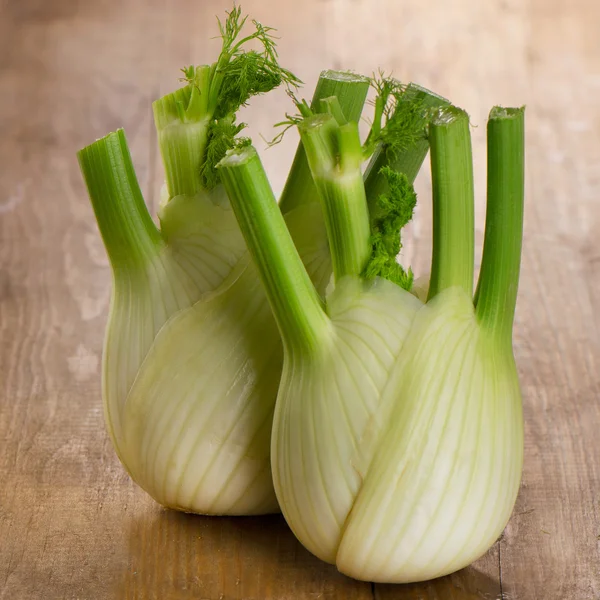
(72, 524)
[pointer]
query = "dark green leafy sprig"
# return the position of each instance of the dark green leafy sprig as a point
(399, 119)
(291, 120)
(240, 74)
(237, 76)
(222, 137)
(393, 211)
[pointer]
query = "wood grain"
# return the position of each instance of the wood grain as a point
(72, 525)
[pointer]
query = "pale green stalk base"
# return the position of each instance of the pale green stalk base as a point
(414, 482)
(202, 246)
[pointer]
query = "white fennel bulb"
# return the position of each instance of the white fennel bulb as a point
(166, 280)
(397, 438)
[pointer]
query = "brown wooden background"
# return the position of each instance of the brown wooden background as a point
(72, 525)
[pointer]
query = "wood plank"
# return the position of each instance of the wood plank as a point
(251, 558)
(72, 525)
(551, 549)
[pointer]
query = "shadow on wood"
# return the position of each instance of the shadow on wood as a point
(467, 584)
(175, 556)
(178, 556)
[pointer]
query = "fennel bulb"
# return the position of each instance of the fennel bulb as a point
(160, 275)
(397, 434)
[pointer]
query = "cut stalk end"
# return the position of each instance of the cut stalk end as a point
(351, 91)
(497, 287)
(334, 156)
(453, 201)
(129, 234)
(293, 298)
(182, 120)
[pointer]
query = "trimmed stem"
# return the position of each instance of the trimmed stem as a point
(351, 91)
(334, 155)
(496, 295)
(181, 120)
(453, 201)
(410, 160)
(128, 232)
(293, 298)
